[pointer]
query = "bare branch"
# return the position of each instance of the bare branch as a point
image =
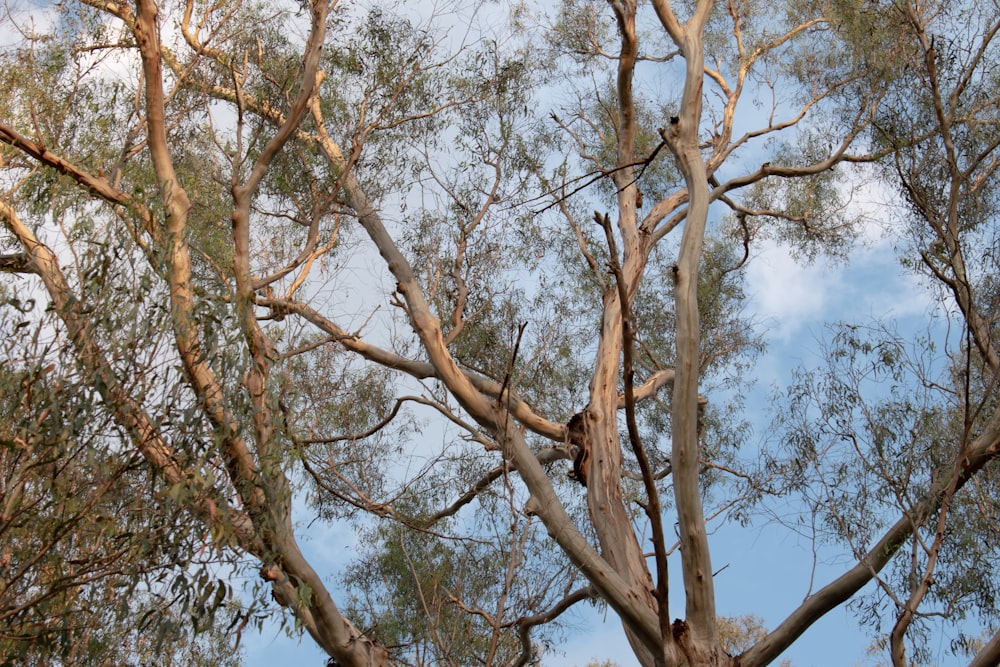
(524, 625)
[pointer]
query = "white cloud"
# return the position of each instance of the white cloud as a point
(790, 298)
(19, 18)
(785, 295)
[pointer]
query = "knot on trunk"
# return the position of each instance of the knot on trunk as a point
(578, 439)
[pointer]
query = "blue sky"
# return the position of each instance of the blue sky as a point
(765, 569)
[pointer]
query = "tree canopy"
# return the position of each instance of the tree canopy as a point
(471, 280)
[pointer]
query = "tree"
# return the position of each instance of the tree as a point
(94, 561)
(557, 282)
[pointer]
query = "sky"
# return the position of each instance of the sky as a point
(765, 570)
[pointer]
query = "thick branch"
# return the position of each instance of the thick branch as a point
(695, 556)
(240, 463)
(984, 449)
(989, 655)
(17, 263)
(98, 185)
(519, 409)
(492, 415)
(652, 507)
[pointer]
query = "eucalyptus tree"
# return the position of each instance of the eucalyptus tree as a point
(97, 563)
(472, 282)
(912, 423)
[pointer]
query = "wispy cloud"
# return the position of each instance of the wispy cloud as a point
(793, 299)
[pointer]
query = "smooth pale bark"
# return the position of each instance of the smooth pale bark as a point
(627, 599)
(619, 573)
(127, 412)
(608, 512)
(989, 656)
(211, 395)
(604, 499)
(697, 637)
(266, 494)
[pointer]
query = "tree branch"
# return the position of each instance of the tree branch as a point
(985, 448)
(524, 625)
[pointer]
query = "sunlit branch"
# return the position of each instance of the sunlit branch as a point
(652, 505)
(128, 412)
(98, 185)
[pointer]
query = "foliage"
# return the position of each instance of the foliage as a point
(473, 284)
(94, 561)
